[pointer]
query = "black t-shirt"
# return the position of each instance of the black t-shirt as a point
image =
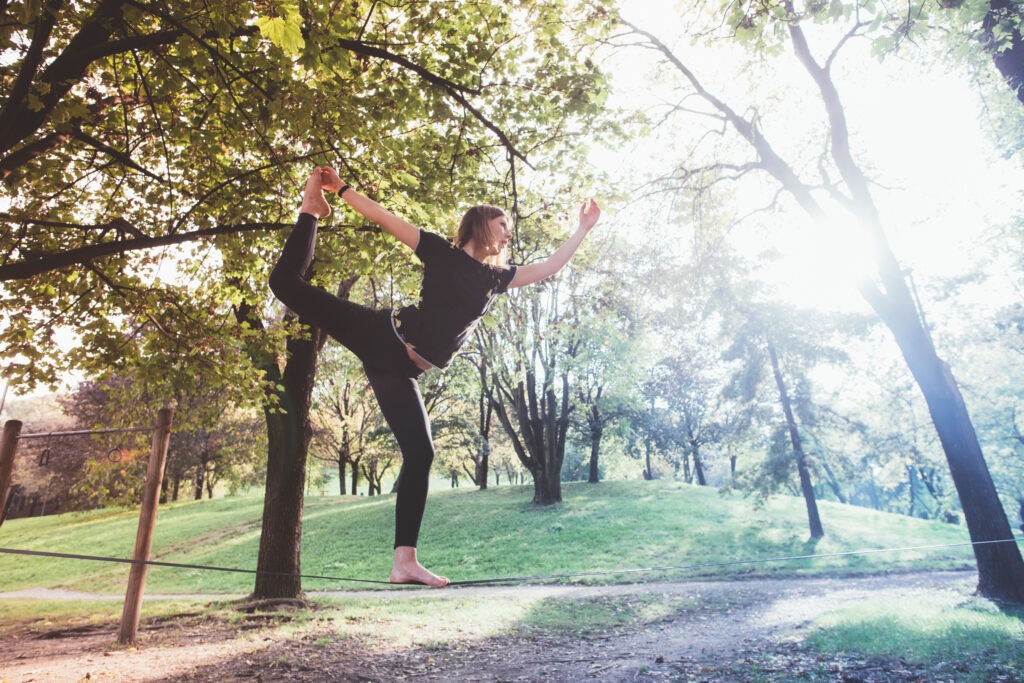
(456, 291)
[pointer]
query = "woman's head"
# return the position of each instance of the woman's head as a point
(485, 229)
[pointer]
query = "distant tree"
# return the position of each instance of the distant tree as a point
(378, 461)
(686, 392)
(779, 346)
(610, 325)
(534, 356)
(477, 432)
(345, 416)
(532, 397)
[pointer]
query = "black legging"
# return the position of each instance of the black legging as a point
(392, 374)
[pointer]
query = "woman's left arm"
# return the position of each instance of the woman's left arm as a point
(535, 272)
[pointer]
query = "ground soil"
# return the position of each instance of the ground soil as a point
(737, 630)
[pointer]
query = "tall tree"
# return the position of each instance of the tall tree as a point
(779, 347)
(134, 126)
(844, 183)
(606, 305)
(532, 397)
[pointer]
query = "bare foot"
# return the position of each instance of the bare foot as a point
(313, 201)
(407, 569)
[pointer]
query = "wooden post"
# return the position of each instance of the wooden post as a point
(147, 519)
(8, 445)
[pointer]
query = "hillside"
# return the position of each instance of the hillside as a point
(471, 535)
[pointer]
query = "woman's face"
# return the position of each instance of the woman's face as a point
(500, 232)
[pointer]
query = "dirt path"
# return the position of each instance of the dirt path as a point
(725, 621)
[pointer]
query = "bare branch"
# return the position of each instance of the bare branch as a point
(770, 159)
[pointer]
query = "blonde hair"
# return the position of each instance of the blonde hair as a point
(474, 227)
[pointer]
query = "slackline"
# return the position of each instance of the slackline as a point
(506, 579)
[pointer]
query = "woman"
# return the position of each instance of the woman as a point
(460, 280)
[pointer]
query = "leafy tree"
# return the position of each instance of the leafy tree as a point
(532, 397)
(113, 473)
(779, 346)
(687, 388)
(843, 187)
(130, 127)
(534, 355)
(604, 302)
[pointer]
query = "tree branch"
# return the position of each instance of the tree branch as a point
(21, 270)
(32, 150)
(770, 159)
(30, 64)
(117, 155)
(67, 70)
(454, 90)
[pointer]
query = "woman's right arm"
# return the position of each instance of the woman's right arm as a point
(405, 232)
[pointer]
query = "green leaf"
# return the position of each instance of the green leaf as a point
(286, 32)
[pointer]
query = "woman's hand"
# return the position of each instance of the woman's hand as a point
(535, 272)
(589, 213)
(329, 179)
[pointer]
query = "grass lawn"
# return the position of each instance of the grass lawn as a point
(470, 535)
(936, 627)
(919, 634)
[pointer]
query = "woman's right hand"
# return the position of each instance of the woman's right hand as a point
(329, 179)
(589, 213)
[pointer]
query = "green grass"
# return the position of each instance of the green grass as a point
(966, 638)
(941, 635)
(471, 534)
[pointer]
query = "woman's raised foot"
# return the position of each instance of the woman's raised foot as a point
(313, 201)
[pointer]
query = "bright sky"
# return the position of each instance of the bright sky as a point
(940, 183)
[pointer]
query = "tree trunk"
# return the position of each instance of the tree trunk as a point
(596, 432)
(481, 466)
(912, 490)
(485, 410)
(201, 474)
(648, 471)
(833, 482)
(288, 437)
(341, 476)
(814, 520)
(1000, 567)
(1010, 61)
(546, 490)
(698, 466)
